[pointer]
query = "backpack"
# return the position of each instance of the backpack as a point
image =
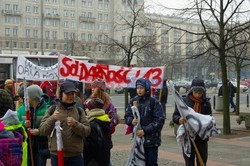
(53, 108)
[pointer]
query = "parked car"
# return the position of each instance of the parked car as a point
(182, 84)
(243, 88)
(119, 91)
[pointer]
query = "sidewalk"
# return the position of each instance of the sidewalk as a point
(231, 150)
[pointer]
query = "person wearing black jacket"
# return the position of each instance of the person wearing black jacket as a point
(152, 120)
(196, 99)
(231, 92)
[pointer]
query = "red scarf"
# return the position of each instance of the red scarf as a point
(197, 103)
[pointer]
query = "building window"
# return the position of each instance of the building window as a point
(72, 13)
(54, 11)
(66, 24)
(83, 37)
(35, 9)
(54, 23)
(90, 14)
(35, 45)
(89, 37)
(7, 7)
(27, 9)
(7, 44)
(15, 7)
(27, 20)
(65, 13)
(47, 46)
(27, 45)
(15, 20)
(54, 46)
(27, 32)
(35, 33)
(73, 2)
(100, 48)
(14, 44)
(15, 32)
(90, 48)
(100, 16)
(66, 35)
(54, 34)
(7, 19)
(83, 3)
(7, 31)
(47, 21)
(90, 3)
(36, 20)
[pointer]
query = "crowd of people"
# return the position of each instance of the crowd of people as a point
(88, 120)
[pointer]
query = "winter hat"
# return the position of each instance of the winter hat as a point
(95, 102)
(8, 81)
(35, 92)
(99, 84)
(6, 102)
(67, 87)
(140, 85)
(198, 86)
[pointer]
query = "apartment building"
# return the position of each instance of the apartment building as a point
(70, 26)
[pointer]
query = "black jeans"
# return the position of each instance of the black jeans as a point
(151, 156)
(202, 147)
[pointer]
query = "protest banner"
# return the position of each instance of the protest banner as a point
(30, 71)
(115, 76)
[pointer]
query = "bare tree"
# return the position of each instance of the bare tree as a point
(217, 20)
(131, 36)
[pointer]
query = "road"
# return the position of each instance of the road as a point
(118, 100)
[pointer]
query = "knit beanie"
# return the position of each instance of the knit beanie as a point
(8, 81)
(35, 92)
(95, 102)
(99, 84)
(198, 86)
(6, 102)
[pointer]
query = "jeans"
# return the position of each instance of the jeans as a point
(203, 150)
(151, 156)
(68, 161)
(231, 101)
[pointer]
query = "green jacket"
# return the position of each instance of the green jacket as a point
(39, 113)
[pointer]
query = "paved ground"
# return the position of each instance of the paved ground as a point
(231, 150)
(223, 150)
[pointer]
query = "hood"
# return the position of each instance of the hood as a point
(147, 84)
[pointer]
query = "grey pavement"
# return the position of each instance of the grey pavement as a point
(224, 150)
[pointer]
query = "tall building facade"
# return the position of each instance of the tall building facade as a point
(43, 26)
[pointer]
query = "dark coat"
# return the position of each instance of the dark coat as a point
(151, 113)
(231, 88)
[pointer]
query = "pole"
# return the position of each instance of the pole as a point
(214, 103)
(42, 52)
(247, 101)
(198, 153)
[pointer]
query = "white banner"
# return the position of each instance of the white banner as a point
(115, 76)
(30, 71)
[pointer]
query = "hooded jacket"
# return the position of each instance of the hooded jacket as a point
(72, 136)
(152, 116)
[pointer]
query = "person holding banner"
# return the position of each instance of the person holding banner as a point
(37, 108)
(196, 99)
(75, 127)
(152, 120)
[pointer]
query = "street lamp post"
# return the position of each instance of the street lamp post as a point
(42, 52)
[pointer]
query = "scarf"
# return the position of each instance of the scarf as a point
(197, 103)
